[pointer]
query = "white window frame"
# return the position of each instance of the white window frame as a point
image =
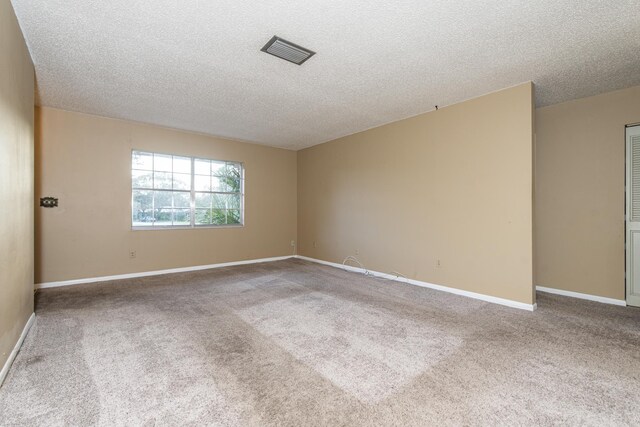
(192, 194)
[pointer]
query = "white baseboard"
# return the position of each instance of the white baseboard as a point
(588, 297)
(16, 349)
(482, 297)
(155, 273)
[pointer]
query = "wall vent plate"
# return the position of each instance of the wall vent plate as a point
(48, 202)
(286, 50)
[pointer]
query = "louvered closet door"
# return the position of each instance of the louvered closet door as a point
(633, 216)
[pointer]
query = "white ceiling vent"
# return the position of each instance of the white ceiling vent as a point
(286, 50)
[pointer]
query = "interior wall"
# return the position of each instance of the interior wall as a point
(580, 173)
(85, 161)
(444, 197)
(16, 181)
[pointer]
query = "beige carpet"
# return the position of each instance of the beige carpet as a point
(295, 343)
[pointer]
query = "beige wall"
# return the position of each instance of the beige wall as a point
(85, 161)
(440, 168)
(16, 181)
(454, 185)
(580, 167)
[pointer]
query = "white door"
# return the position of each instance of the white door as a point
(633, 215)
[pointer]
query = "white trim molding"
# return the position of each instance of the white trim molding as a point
(155, 273)
(469, 294)
(16, 349)
(579, 295)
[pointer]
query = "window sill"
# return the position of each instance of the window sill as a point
(197, 227)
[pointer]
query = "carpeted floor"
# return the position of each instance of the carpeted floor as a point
(295, 343)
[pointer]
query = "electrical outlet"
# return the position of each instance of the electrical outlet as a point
(357, 251)
(315, 245)
(132, 254)
(293, 243)
(438, 264)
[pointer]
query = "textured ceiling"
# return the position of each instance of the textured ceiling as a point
(197, 65)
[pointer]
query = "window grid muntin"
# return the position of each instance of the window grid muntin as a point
(192, 208)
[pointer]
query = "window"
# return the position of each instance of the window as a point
(175, 191)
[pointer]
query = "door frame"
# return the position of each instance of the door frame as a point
(627, 251)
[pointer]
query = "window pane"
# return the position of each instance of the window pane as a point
(231, 185)
(234, 170)
(141, 160)
(226, 201)
(202, 167)
(220, 201)
(162, 162)
(233, 201)
(162, 180)
(219, 216)
(181, 217)
(181, 181)
(162, 216)
(162, 200)
(182, 164)
(141, 179)
(203, 200)
(203, 216)
(142, 207)
(218, 168)
(233, 216)
(181, 199)
(225, 184)
(162, 212)
(225, 216)
(217, 184)
(202, 183)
